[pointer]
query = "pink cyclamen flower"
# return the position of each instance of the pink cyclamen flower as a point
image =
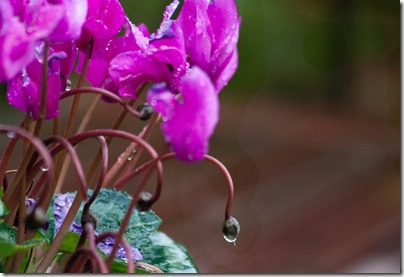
(189, 118)
(211, 30)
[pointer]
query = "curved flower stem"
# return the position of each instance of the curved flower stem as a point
(76, 161)
(145, 134)
(117, 123)
(104, 93)
(104, 154)
(6, 158)
(52, 250)
(76, 265)
(125, 244)
(123, 180)
(15, 189)
(62, 168)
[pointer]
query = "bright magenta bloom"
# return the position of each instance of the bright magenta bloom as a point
(189, 118)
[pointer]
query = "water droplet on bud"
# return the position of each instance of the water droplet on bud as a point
(231, 229)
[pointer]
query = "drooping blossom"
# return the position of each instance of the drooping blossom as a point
(61, 206)
(185, 97)
(211, 30)
(189, 118)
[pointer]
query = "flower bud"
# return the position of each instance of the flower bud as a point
(36, 219)
(145, 111)
(144, 203)
(231, 229)
(89, 217)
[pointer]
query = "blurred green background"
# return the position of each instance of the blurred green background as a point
(310, 130)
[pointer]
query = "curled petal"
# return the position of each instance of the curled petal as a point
(189, 118)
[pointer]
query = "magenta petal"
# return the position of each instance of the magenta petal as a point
(105, 19)
(162, 100)
(74, 15)
(41, 18)
(188, 122)
(224, 21)
(226, 71)
(23, 94)
(130, 69)
(194, 22)
(16, 50)
(6, 13)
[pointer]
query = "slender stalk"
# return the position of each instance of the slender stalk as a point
(76, 99)
(145, 134)
(126, 219)
(117, 123)
(67, 159)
